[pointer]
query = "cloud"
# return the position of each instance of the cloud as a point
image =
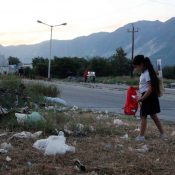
(18, 17)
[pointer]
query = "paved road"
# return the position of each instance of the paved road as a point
(109, 97)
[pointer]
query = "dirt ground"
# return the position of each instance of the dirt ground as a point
(102, 151)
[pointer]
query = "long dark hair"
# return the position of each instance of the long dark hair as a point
(140, 59)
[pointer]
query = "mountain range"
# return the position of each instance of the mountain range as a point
(155, 39)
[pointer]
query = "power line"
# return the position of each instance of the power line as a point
(133, 31)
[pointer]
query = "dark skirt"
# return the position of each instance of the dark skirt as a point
(150, 105)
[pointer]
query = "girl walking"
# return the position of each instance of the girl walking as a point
(149, 89)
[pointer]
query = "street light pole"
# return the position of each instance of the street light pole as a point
(50, 49)
(132, 56)
(50, 52)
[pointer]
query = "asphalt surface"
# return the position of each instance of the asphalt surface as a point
(109, 98)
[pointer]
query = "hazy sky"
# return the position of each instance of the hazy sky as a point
(18, 17)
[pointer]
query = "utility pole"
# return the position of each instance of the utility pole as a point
(133, 37)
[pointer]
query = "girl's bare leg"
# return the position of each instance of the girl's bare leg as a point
(157, 122)
(143, 125)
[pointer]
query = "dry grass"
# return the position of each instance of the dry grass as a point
(101, 151)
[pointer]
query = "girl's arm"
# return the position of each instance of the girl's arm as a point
(147, 93)
(136, 87)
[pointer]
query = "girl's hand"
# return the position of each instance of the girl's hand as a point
(136, 87)
(140, 100)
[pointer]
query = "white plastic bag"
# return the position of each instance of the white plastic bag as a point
(53, 145)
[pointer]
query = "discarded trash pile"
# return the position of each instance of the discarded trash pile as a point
(94, 143)
(29, 118)
(54, 145)
(3, 111)
(69, 140)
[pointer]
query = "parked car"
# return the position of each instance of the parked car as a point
(91, 76)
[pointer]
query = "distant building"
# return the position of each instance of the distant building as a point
(4, 69)
(12, 69)
(23, 66)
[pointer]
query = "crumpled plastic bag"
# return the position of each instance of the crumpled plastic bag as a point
(119, 122)
(143, 149)
(5, 147)
(125, 137)
(3, 151)
(56, 100)
(53, 145)
(29, 118)
(3, 111)
(173, 133)
(27, 135)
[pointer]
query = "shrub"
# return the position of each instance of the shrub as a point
(169, 72)
(42, 90)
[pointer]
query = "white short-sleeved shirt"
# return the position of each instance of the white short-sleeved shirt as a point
(144, 79)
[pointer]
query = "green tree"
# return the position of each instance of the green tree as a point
(67, 66)
(169, 72)
(40, 66)
(120, 64)
(13, 60)
(100, 66)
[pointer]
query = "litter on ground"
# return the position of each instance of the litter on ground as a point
(173, 133)
(119, 122)
(6, 146)
(67, 131)
(143, 149)
(29, 118)
(56, 100)
(125, 137)
(74, 108)
(3, 111)
(102, 116)
(8, 159)
(137, 129)
(53, 145)
(3, 134)
(3, 151)
(27, 135)
(50, 108)
(79, 166)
